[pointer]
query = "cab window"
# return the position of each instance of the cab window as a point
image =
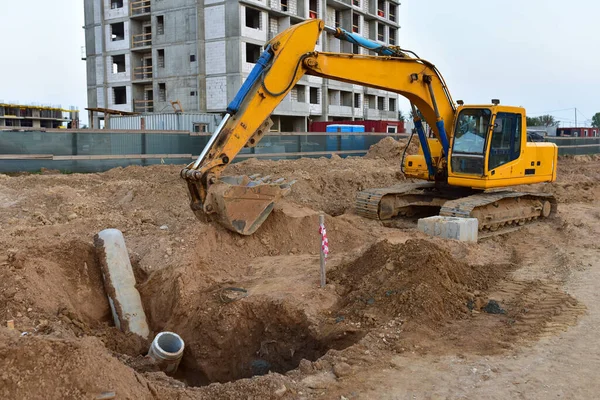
(506, 140)
(468, 148)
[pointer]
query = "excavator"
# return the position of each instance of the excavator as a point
(477, 154)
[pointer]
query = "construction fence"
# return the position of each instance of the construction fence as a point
(100, 150)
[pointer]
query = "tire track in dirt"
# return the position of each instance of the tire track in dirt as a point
(538, 309)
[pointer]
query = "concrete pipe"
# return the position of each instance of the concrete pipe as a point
(119, 283)
(167, 349)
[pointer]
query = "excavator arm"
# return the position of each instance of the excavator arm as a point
(242, 204)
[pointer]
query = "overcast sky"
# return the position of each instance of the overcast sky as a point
(540, 54)
(41, 52)
(543, 55)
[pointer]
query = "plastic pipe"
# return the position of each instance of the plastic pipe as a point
(119, 283)
(167, 349)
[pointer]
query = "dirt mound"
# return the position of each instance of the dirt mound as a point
(289, 230)
(390, 149)
(52, 280)
(416, 280)
(325, 184)
(55, 368)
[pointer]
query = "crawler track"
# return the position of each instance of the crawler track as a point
(498, 212)
(502, 211)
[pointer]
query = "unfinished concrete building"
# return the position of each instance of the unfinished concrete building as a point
(14, 115)
(142, 55)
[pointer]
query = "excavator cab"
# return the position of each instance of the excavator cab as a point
(490, 149)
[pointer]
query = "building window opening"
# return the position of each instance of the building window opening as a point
(193, 93)
(346, 99)
(381, 103)
(312, 9)
(392, 38)
(284, 5)
(160, 24)
(392, 129)
(314, 95)
(118, 63)
(356, 3)
(117, 31)
(300, 95)
(162, 92)
(371, 100)
(392, 13)
(356, 23)
(392, 105)
(161, 58)
(381, 8)
(252, 53)
(338, 18)
(356, 100)
(116, 4)
(192, 58)
(380, 33)
(253, 18)
(120, 95)
(200, 128)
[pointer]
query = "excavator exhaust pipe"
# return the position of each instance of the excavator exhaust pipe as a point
(241, 203)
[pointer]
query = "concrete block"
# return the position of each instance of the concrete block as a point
(463, 229)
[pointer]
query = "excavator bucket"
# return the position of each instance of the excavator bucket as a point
(242, 203)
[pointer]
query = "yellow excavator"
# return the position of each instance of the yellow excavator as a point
(465, 170)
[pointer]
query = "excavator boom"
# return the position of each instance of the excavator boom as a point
(241, 204)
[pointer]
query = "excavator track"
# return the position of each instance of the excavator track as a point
(367, 203)
(499, 212)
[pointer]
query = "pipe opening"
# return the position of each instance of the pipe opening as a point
(170, 342)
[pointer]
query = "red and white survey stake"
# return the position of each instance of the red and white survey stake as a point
(324, 248)
(324, 241)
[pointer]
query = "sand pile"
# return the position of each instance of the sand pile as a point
(390, 149)
(416, 280)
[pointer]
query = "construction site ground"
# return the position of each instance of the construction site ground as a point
(403, 316)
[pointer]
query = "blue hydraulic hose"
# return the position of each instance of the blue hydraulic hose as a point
(443, 136)
(425, 146)
(354, 38)
(257, 71)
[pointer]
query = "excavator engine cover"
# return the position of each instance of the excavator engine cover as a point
(241, 203)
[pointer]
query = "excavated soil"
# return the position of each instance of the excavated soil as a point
(390, 149)
(401, 312)
(416, 280)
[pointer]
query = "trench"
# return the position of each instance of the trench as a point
(268, 339)
(253, 336)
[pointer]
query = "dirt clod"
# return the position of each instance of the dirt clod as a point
(492, 307)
